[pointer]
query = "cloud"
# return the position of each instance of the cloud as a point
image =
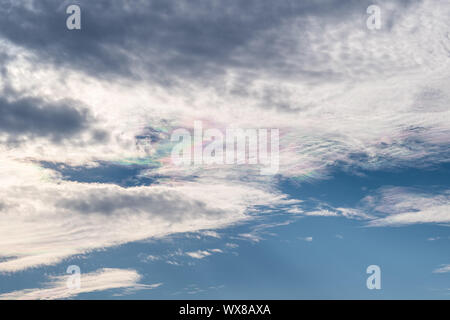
(200, 254)
(398, 206)
(437, 238)
(443, 269)
(341, 95)
(174, 263)
(32, 117)
(195, 289)
(322, 213)
(100, 280)
(45, 220)
(164, 40)
(210, 233)
(250, 237)
(393, 206)
(350, 213)
(151, 257)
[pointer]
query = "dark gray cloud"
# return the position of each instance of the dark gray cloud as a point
(170, 205)
(165, 40)
(33, 117)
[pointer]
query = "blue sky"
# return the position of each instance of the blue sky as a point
(89, 176)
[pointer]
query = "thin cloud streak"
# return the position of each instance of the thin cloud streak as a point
(100, 280)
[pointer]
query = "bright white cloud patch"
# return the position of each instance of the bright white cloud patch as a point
(103, 279)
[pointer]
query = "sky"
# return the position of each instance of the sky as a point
(357, 92)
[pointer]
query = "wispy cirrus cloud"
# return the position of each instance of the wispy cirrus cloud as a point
(398, 206)
(443, 269)
(199, 254)
(100, 280)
